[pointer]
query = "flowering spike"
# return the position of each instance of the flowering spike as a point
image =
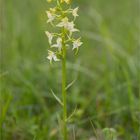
(60, 18)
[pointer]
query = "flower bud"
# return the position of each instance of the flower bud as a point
(67, 1)
(49, 0)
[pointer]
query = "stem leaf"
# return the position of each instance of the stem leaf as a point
(70, 84)
(57, 98)
(71, 115)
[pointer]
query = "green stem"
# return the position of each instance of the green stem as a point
(64, 94)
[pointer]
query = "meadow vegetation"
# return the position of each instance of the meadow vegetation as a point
(106, 73)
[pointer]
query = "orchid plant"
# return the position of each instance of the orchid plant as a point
(62, 17)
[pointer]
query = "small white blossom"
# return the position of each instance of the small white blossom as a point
(63, 22)
(50, 37)
(76, 44)
(71, 28)
(67, 25)
(51, 16)
(58, 44)
(75, 12)
(52, 56)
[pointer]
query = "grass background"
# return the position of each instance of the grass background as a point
(107, 71)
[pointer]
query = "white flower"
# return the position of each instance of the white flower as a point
(58, 44)
(63, 22)
(67, 25)
(51, 16)
(71, 28)
(76, 44)
(75, 12)
(50, 37)
(52, 56)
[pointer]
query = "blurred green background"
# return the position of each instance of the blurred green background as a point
(107, 71)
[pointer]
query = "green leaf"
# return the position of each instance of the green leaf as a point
(70, 84)
(72, 114)
(57, 98)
